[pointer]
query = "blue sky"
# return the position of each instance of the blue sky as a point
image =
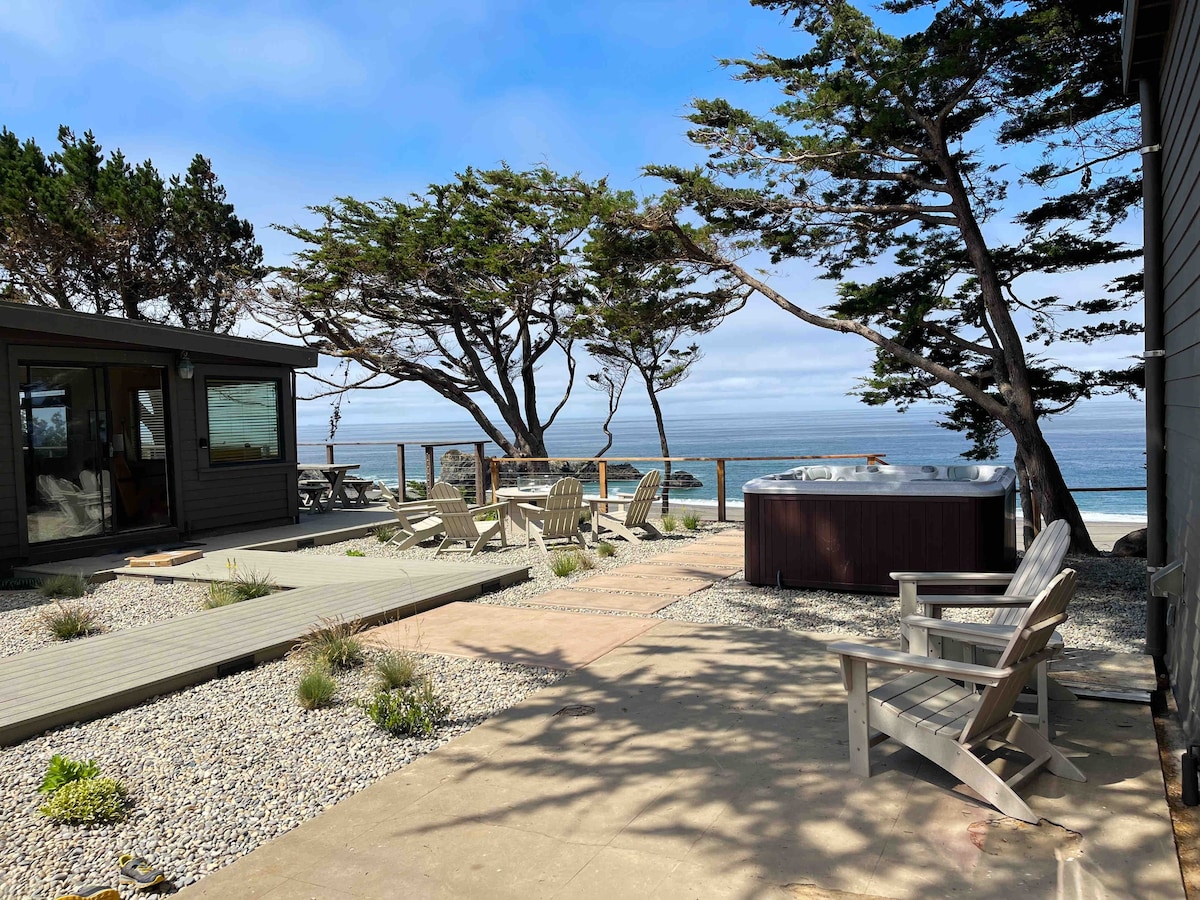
(298, 103)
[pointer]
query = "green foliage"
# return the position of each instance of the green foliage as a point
(68, 621)
(417, 489)
(605, 549)
(57, 586)
(95, 233)
(63, 771)
(316, 689)
(355, 553)
(564, 563)
(87, 801)
(465, 287)
(395, 670)
(19, 584)
(416, 711)
(244, 585)
(669, 522)
(333, 644)
(384, 533)
(691, 520)
(221, 593)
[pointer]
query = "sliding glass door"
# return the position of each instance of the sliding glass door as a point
(95, 450)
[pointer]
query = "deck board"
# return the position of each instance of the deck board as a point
(84, 679)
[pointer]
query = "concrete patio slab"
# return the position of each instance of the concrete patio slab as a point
(644, 584)
(533, 637)
(699, 570)
(699, 554)
(715, 765)
(634, 603)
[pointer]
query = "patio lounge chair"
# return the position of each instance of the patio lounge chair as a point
(415, 522)
(558, 518)
(949, 724)
(1042, 561)
(459, 522)
(636, 509)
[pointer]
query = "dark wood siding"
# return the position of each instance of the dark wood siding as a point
(1180, 102)
(10, 535)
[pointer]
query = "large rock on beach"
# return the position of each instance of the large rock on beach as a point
(1132, 545)
(457, 468)
(683, 480)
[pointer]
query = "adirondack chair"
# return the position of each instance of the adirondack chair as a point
(558, 517)
(459, 523)
(1042, 561)
(415, 522)
(948, 723)
(636, 510)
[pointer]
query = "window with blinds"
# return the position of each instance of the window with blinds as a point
(243, 421)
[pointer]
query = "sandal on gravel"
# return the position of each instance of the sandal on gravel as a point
(136, 871)
(93, 892)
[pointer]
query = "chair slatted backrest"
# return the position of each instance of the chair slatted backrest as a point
(1043, 560)
(563, 506)
(457, 519)
(1033, 631)
(639, 507)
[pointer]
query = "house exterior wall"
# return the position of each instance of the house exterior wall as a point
(1179, 93)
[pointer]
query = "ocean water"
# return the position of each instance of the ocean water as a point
(1099, 446)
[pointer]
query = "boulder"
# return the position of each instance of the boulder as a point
(1133, 544)
(681, 479)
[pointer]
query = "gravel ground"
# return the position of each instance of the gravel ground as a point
(118, 604)
(1107, 613)
(219, 769)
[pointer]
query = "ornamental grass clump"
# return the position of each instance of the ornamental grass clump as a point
(59, 586)
(414, 711)
(316, 689)
(68, 621)
(333, 645)
(605, 549)
(243, 585)
(669, 522)
(564, 563)
(691, 520)
(395, 670)
(384, 533)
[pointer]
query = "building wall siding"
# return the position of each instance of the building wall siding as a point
(1180, 108)
(9, 524)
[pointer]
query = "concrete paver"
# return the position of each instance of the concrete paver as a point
(702, 570)
(644, 584)
(715, 765)
(532, 637)
(646, 604)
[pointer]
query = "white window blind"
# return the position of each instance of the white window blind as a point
(243, 421)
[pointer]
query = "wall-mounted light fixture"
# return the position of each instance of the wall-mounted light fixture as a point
(185, 368)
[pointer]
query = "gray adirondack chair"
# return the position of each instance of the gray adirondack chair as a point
(1042, 561)
(415, 522)
(459, 523)
(558, 517)
(949, 723)
(632, 511)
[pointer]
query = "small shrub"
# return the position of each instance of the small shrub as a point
(395, 670)
(605, 549)
(316, 689)
(62, 586)
(355, 553)
(63, 771)
(415, 489)
(668, 522)
(384, 533)
(415, 711)
(490, 516)
(564, 563)
(333, 645)
(242, 586)
(87, 801)
(691, 520)
(66, 622)
(586, 563)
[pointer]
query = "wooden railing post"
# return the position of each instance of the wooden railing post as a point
(329, 454)
(721, 490)
(429, 471)
(400, 473)
(495, 478)
(602, 471)
(479, 480)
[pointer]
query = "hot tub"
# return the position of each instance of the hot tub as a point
(847, 527)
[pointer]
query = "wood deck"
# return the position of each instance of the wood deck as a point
(95, 676)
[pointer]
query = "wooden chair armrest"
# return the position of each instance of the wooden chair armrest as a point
(950, 578)
(969, 601)
(967, 632)
(491, 507)
(530, 507)
(949, 668)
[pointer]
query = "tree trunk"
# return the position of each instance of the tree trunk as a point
(1030, 525)
(1047, 482)
(662, 442)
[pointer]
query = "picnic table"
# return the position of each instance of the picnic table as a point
(335, 489)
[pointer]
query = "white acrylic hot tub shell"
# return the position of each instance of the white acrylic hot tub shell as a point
(900, 481)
